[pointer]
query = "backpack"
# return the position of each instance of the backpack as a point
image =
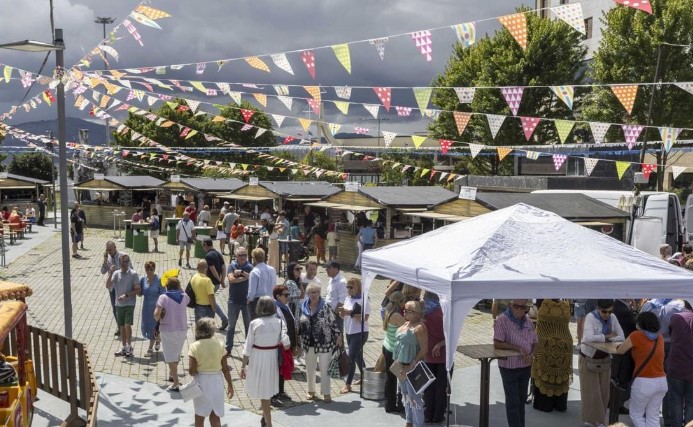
(155, 223)
(191, 294)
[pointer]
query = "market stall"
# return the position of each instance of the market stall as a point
(204, 191)
(17, 189)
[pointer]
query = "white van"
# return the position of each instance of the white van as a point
(657, 214)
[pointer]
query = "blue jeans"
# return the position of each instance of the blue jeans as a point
(413, 404)
(203, 311)
(515, 385)
(680, 401)
(217, 309)
(355, 344)
(234, 310)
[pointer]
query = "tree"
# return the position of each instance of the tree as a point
(553, 57)
(628, 54)
(34, 165)
(321, 160)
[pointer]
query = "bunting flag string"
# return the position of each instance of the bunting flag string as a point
(590, 164)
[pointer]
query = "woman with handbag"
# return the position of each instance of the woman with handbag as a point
(172, 313)
(411, 346)
(267, 335)
(355, 313)
(151, 289)
(281, 295)
(649, 380)
(594, 366)
(393, 320)
(319, 334)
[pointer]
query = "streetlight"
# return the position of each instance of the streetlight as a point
(105, 21)
(55, 207)
(58, 46)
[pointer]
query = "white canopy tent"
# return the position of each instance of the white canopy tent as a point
(521, 252)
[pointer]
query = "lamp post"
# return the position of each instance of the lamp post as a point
(105, 21)
(58, 46)
(55, 207)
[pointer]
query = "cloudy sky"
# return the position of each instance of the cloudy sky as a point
(207, 30)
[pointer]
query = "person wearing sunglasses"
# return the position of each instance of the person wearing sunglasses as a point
(601, 325)
(151, 289)
(295, 286)
(514, 331)
(282, 295)
(355, 313)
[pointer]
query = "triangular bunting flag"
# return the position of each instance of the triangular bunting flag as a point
(475, 149)
(571, 14)
(529, 124)
(288, 140)
(305, 123)
(246, 127)
(533, 155)
(461, 120)
(283, 63)
(466, 33)
(626, 95)
(342, 106)
(422, 39)
(384, 93)
(261, 98)
(314, 105)
(565, 93)
(282, 90)
(465, 94)
(564, 127)
(643, 5)
(621, 168)
(503, 151)
(256, 62)
(631, 133)
(418, 140)
(599, 131)
(334, 128)
(423, 96)
(379, 46)
(495, 122)
(403, 111)
(235, 96)
(517, 25)
(287, 101)
(279, 119)
(445, 145)
(388, 137)
(677, 170)
(590, 164)
(341, 51)
(513, 96)
(558, 160)
(313, 91)
(688, 87)
(343, 92)
(259, 132)
(309, 61)
(247, 114)
(647, 169)
(373, 109)
(669, 136)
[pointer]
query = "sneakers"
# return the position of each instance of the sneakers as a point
(128, 352)
(224, 325)
(120, 352)
(180, 262)
(187, 265)
(125, 351)
(274, 401)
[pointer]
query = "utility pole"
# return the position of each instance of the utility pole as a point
(105, 21)
(55, 207)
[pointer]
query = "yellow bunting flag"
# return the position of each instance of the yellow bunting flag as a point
(341, 51)
(461, 120)
(418, 140)
(342, 106)
(167, 124)
(104, 101)
(256, 62)
(503, 151)
(626, 95)
(7, 73)
(314, 91)
(621, 168)
(424, 172)
(422, 96)
(199, 86)
(152, 13)
(305, 123)
(563, 127)
(517, 25)
(191, 134)
(261, 98)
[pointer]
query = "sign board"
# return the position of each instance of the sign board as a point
(254, 180)
(352, 186)
(175, 178)
(3, 175)
(468, 193)
(99, 176)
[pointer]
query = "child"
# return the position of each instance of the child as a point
(332, 239)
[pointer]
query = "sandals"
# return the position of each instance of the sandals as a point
(310, 396)
(157, 345)
(327, 399)
(356, 382)
(346, 389)
(150, 353)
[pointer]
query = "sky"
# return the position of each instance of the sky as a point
(207, 30)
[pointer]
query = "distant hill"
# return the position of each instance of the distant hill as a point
(97, 131)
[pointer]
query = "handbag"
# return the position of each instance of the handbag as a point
(188, 238)
(191, 294)
(190, 390)
(339, 365)
(420, 377)
(396, 369)
(624, 383)
(598, 366)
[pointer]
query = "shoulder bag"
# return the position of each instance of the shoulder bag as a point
(191, 294)
(626, 383)
(188, 238)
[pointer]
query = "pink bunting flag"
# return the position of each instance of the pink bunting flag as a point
(403, 111)
(422, 39)
(643, 5)
(647, 169)
(200, 67)
(360, 131)
(247, 114)
(309, 61)
(246, 127)
(631, 133)
(384, 93)
(445, 145)
(529, 124)
(314, 105)
(513, 96)
(558, 160)
(133, 31)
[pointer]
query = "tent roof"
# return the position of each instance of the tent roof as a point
(317, 189)
(569, 206)
(207, 184)
(424, 196)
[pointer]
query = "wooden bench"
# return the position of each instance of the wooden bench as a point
(19, 228)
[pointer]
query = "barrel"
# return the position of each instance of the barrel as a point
(128, 234)
(171, 230)
(373, 384)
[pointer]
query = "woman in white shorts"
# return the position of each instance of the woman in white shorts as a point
(155, 221)
(221, 236)
(172, 313)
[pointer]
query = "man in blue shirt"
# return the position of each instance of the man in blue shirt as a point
(238, 273)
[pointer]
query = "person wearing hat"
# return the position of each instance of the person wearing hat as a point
(336, 289)
(225, 208)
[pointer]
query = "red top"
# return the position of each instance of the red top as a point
(642, 346)
(434, 325)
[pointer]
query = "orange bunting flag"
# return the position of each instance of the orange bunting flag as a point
(503, 151)
(461, 120)
(256, 62)
(517, 25)
(151, 13)
(314, 91)
(261, 98)
(626, 95)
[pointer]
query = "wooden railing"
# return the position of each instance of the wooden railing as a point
(63, 369)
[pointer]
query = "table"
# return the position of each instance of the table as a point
(202, 231)
(140, 240)
(128, 233)
(171, 224)
(614, 392)
(485, 353)
(294, 249)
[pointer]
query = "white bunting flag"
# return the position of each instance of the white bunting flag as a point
(688, 87)
(193, 104)
(373, 109)
(287, 101)
(224, 87)
(279, 119)
(571, 14)
(475, 149)
(343, 92)
(495, 122)
(236, 96)
(533, 155)
(388, 137)
(380, 46)
(259, 132)
(590, 163)
(465, 94)
(283, 63)
(677, 170)
(599, 131)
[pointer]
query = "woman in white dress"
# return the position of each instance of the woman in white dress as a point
(260, 369)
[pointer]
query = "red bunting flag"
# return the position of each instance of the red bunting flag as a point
(529, 124)
(643, 5)
(384, 93)
(445, 145)
(247, 114)
(314, 105)
(647, 169)
(309, 61)
(288, 140)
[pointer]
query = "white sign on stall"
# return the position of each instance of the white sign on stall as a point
(99, 176)
(468, 193)
(254, 180)
(175, 178)
(3, 175)
(352, 186)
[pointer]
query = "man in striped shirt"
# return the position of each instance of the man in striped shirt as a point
(514, 331)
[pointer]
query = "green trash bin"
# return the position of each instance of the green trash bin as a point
(140, 241)
(171, 230)
(128, 233)
(201, 231)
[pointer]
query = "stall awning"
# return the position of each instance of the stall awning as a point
(341, 207)
(323, 204)
(243, 197)
(438, 216)
(302, 199)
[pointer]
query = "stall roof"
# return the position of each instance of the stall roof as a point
(436, 215)
(301, 189)
(572, 206)
(133, 182)
(243, 197)
(207, 184)
(20, 182)
(412, 196)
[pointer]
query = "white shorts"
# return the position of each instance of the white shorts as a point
(185, 245)
(154, 234)
(172, 344)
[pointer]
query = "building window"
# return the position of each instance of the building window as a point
(588, 28)
(564, 1)
(543, 5)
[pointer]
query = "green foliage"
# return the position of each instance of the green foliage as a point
(34, 165)
(231, 131)
(553, 56)
(395, 176)
(321, 160)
